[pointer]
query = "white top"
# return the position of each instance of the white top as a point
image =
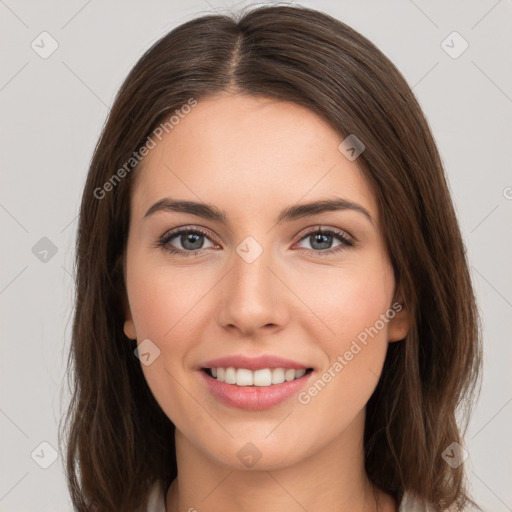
(156, 502)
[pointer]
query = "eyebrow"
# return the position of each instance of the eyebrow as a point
(208, 211)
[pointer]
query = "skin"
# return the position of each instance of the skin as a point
(252, 157)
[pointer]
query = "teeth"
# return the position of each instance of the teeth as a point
(244, 377)
(289, 375)
(263, 377)
(230, 376)
(277, 375)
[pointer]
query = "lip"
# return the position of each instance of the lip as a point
(255, 398)
(253, 363)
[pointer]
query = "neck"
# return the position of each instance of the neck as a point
(331, 478)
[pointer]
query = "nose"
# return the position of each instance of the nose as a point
(253, 299)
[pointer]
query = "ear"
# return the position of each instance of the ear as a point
(400, 323)
(129, 326)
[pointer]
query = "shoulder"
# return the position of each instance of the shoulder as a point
(156, 499)
(411, 503)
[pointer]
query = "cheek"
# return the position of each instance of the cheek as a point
(352, 306)
(167, 309)
(349, 301)
(359, 310)
(163, 300)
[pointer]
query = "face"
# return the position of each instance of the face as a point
(268, 277)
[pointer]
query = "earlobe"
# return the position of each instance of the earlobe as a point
(129, 326)
(129, 329)
(399, 325)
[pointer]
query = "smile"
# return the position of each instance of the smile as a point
(262, 377)
(254, 390)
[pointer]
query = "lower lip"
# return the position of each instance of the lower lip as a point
(254, 398)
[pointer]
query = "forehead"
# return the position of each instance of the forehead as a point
(247, 154)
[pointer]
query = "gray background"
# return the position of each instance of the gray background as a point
(52, 113)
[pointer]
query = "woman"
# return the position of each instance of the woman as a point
(273, 305)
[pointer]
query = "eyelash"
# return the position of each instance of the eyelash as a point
(164, 241)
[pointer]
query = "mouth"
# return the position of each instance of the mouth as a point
(264, 377)
(254, 390)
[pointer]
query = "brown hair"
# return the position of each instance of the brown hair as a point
(119, 440)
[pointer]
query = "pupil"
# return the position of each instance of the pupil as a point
(191, 241)
(322, 239)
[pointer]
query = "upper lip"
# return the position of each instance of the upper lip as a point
(253, 363)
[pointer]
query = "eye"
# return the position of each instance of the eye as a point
(322, 239)
(190, 241)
